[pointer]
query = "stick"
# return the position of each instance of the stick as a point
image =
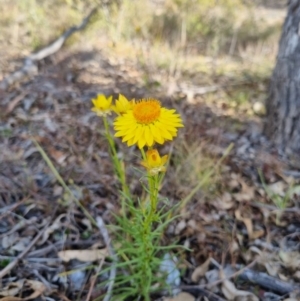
(30, 68)
(34, 260)
(113, 270)
(93, 281)
(56, 45)
(229, 277)
(268, 282)
(203, 292)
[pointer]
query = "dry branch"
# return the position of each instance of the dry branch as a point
(268, 282)
(30, 68)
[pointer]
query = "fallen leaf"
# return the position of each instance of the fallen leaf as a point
(283, 277)
(12, 289)
(232, 293)
(181, 297)
(59, 156)
(87, 223)
(16, 287)
(225, 201)
(249, 226)
(246, 221)
(200, 271)
(234, 247)
(38, 288)
(246, 193)
(290, 259)
(83, 255)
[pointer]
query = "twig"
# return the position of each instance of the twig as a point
(208, 285)
(215, 263)
(33, 259)
(11, 265)
(30, 68)
(42, 279)
(259, 278)
(15, 101)
(113, 270)
(58, 245)
(274, 208)
(267, 281)
(196, 290)
(231, 276)
(94, 280)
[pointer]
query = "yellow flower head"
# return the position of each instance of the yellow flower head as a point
(147, 123)
(154, 163)
(102, 105)
(122, 105)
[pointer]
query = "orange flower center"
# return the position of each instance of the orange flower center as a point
(146, 111)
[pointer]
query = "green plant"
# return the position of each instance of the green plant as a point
(138, 231)
(140, 227)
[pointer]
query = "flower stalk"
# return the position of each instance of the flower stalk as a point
(117, 163)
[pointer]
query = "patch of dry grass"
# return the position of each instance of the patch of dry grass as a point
(200, 25)
(192, 166)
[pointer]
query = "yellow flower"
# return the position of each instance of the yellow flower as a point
(147, 123)
(102, 105)
(122, 105)
(154, 163)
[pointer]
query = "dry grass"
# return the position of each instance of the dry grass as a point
(190, 166)
(198, 25)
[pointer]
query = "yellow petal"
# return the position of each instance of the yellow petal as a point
(157, 137)
(141, 141)
(164, 159)
(139, 133)
(148, 136)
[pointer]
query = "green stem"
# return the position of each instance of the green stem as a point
(118, 164)
(149, 218)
